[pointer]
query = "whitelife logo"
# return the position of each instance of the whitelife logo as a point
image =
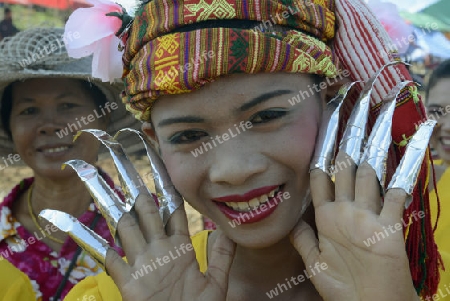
(243, 125)
(146, 269)
(72, 127)
(245, 216)
(312, 271)
(392, 229)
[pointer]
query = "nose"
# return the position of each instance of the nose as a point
(235, 162)
(50, 123)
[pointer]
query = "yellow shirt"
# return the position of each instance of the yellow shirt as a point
(15, 285)
(102, 287)
(442, 234)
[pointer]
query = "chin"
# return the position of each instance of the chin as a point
(54, 171)
(265, 233)
(260, 238)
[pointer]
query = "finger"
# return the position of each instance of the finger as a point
(367, 189)
(408, 170)
(326, 140)
(322, 188)
(222, 255)
(149, 219)
(355, 131)
(107, 201)
(88, 240)
(394, 205)
(131, 237)
(305, 242)
(345, 172)
(377, 147)
(128, 174)
(178, 223)
(163, 184)
(371, 174)
(117, 268)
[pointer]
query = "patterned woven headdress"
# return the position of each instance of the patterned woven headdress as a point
(176, 46)
(173, 59)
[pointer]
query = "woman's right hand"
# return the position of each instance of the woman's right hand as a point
(161, 261)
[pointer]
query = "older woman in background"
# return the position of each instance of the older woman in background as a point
(46, 97)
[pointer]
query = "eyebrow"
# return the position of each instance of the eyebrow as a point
(246, 106)
(187, 119)
(31, 100)
(262, 98)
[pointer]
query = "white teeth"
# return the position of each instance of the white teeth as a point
(233, 204)
(253, 203)
(263, 199)
(243, 206)
(56, 149)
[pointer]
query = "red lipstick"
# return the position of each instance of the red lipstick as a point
(254, 215)
(246, 196)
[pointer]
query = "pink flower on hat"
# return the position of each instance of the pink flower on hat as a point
(90, 31)
(399, 31)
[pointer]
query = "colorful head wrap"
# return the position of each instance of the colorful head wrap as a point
(165, 54)
(161, 59)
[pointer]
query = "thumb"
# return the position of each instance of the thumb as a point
(222, 255)
(305, 242)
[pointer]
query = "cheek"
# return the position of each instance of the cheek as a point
(296, 146)
(20, 134)
(185, 171)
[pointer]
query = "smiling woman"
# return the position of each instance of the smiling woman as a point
(36, 105)
(286, 152)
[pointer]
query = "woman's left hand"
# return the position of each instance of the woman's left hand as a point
(359, 252)
(348, 262)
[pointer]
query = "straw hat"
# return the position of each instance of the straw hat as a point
(40, 53)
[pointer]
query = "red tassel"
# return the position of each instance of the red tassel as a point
(425, 260)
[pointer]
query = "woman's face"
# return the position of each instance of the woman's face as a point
(253, 142)
(439, 108)
(41, 112)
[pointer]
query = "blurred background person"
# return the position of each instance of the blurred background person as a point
(7, 28)
(438, 107)
(44, 102)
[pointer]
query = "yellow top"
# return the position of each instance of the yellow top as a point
(443, 229)
(15, 285)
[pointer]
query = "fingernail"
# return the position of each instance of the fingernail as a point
(377, 147)
(108, 202)
(130, 180)
(326, 140)
(88, 240)
(407, 172)
(169, 198)
(355, 131)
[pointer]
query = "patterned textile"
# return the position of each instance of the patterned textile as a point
(163, 56)
(158, 62)
(44, 267)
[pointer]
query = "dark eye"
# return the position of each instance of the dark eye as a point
(28, 111)
(186, 137)
(266, 116)
(68, 105)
